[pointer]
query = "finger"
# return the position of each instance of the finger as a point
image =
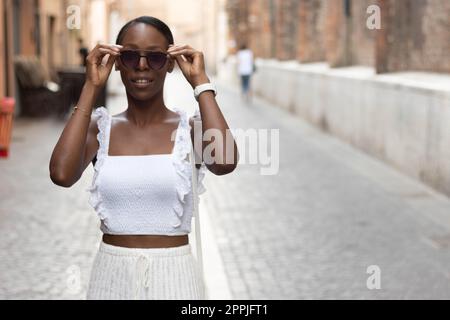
(185, 46)
(189, 54)
(175, 46)
(98, 51)
(110, 62)
(114, 47)
(109, 51)
(185, 51)
(182, 63)
(199, 61)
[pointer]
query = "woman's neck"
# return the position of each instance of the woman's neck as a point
(145, 112)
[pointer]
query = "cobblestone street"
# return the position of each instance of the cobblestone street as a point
(308, 232)
(311, 231)
(48, 234)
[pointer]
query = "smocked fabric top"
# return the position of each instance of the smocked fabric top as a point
(144, 194)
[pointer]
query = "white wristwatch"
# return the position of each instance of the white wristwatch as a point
(204, 87)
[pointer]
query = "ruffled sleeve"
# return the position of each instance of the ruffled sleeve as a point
(183, 145)
(103, 123)
(202, 170)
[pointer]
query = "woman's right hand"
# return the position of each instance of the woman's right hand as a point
(96, 73)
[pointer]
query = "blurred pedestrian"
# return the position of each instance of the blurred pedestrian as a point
(245, 70)
(83, 51)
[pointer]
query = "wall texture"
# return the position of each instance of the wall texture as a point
(311, 31)
(401, 119)
(415, 34)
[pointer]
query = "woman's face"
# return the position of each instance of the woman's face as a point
(141, 36)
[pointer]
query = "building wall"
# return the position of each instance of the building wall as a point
(262, 40)
(28, 33)
(136, 8)
(435, 50)
(414, 36)
(286, 29)
(400, 118)
(9, 49)
(27, 28)
(2, 53)
(195, 23)
(362, 38)
(311, 31)
(59, 45)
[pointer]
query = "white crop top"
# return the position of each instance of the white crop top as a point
(144, 194)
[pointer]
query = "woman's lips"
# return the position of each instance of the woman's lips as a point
(141, 82)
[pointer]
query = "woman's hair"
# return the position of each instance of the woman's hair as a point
(151, 21)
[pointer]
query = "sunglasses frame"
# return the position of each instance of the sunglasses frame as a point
(148, 60)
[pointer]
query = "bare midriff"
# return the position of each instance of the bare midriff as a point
(145, 241)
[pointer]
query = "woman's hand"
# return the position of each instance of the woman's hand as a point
(97, 73)
(191, 63)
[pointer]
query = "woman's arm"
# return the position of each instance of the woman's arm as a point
(75, 147)
(225, 158)
(212, 118)
(77, 144)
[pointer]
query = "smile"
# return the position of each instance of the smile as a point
(142, 82)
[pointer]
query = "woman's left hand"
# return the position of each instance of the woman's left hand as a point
(191, 63)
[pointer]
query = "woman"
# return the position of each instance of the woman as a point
(246, 67)
(141, 188)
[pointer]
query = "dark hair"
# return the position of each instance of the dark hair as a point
(151, 21)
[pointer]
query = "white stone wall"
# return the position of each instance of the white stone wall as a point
(401, 118)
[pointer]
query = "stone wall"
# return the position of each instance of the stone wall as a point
(399, 118)
(415, 34)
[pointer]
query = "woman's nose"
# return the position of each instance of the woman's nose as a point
(143, 64)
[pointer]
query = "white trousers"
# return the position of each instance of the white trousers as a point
(122, 273)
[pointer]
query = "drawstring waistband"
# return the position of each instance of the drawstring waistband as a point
(143, 268)
(150, 252)
(144, 259)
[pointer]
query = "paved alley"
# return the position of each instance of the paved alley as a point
(309, 232)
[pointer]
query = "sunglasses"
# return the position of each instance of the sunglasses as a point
(131, 58)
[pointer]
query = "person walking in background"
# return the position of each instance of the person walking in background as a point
(83, 51)
(245, 70)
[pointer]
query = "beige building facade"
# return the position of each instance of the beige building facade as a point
(51, 29)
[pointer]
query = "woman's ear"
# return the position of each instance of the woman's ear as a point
(171, 65)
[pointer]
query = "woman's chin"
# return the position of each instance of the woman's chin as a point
(142, 96)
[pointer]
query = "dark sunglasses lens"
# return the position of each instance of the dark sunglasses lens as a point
(130, 59)
(156, 60)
